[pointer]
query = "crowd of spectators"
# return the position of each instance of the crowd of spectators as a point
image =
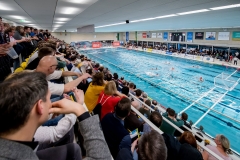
(41, 116)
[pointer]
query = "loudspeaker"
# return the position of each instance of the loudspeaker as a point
(127, 21)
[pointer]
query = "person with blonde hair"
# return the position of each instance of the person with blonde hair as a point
(108, 99)
(222, 149)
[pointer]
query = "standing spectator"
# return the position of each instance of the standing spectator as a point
(235, 59)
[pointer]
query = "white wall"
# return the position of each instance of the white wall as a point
(201, 42)
(74, 37)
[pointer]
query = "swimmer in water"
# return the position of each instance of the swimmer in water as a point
(201, 79)
(172, 68)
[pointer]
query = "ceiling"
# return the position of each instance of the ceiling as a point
(60, 15)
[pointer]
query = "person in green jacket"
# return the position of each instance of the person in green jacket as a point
(170, 115)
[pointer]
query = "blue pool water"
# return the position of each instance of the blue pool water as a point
(179, 87)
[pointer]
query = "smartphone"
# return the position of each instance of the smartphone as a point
(89, 80)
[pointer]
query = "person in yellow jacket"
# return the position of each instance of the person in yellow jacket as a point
(94, 89)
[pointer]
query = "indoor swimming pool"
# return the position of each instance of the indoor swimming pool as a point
(184, 85)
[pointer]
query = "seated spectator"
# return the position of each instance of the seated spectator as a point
(47, 65)
(94, 89)
(25, 106)
(150, 146)
(136, 104)
(117, 137)
(131, 88)
(222, 149)
(125, 90)
(184, 117)
(43, 51)
(115, 76)
(108, 100)
(51, 134)
(156, 119)
(154, 104)
(144, 96)
(145, 110)
(132, 122)
(170, 115)
(108, 77)
(188, 149)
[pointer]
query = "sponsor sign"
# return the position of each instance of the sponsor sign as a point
(236, 36)
(144, 35)
(159, 35)
(210, 35)
(154, 35)
(189, 37)
(223, 36)
(199, 35)
(96, 45)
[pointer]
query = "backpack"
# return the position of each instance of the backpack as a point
(98, 107)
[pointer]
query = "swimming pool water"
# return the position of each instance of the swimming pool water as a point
(174, 82)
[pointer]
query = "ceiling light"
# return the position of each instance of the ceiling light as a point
(17, 17)
(166, 16)
(147, 19)
(191, 12)
(5, 7)
(82, 1)
(69, 10)
(226, 7)
(111, 25)
(62, 19)
(59, 22)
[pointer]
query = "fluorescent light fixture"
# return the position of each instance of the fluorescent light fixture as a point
(59, 22)
(69, 10)
(148, 19)
(5, 7)
(226, 7)
(16, 17)
(82, 1)
(191, 12)
(111, 25)
(62, 19)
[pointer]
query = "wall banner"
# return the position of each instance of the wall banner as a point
(223, 36)
(199, 35)
(210, 35)
(154, 35)
(159, 35)
(236, 36)
(165, 36)
(127, 36)
(144, 35)
(189, 36)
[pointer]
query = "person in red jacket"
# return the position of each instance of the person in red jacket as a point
(108, 99)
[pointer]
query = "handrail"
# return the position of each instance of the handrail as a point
(173, 125)
(170, 90)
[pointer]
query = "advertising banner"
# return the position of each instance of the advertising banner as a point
(165, 36)
(154, 35)
(144, 35)
(210, 35)
(159, 35)
(199, 35)
(177, 36)
(223, 36)
(127, 36)
(148, 35)
(236, 36)
(189, 36)
(116, 43)
(96, 45)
